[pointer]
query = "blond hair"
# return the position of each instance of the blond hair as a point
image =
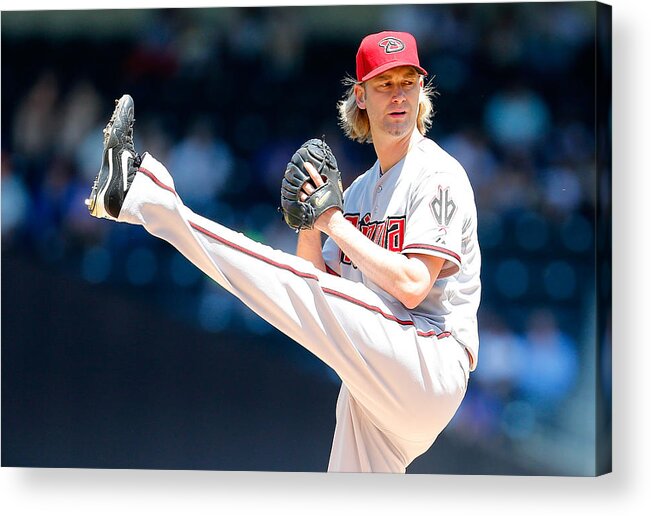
(354, 121)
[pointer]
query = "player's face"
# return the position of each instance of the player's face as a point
(391, 101)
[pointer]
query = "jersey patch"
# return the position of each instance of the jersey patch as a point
(389, 233)
(440, 236)
(443, 207)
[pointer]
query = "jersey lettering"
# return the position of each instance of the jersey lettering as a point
(395, 234)
(443, 207)
(389, 233)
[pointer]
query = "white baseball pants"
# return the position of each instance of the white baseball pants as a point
(403, 379)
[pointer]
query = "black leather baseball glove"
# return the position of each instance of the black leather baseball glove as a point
(302, 214)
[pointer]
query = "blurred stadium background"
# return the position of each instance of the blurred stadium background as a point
(117, 353)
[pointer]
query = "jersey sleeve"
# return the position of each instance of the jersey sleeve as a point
(331, 257)
(435, 220)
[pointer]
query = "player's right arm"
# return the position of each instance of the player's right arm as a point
(309, 247)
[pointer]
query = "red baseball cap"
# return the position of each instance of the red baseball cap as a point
(384, 50)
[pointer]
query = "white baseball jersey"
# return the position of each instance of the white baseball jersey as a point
(403, 375)
(422, 205)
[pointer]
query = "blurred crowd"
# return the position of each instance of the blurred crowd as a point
(225, 108)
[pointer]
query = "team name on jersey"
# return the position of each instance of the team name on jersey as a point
(388, 233)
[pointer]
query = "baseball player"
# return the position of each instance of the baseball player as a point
(390, 300)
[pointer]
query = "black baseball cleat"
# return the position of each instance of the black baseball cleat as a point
(119, 163)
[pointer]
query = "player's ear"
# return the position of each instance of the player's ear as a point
(360, 96)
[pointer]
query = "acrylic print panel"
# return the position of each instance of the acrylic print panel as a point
(118, 353)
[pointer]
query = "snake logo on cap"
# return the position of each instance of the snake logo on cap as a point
(391, 45)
